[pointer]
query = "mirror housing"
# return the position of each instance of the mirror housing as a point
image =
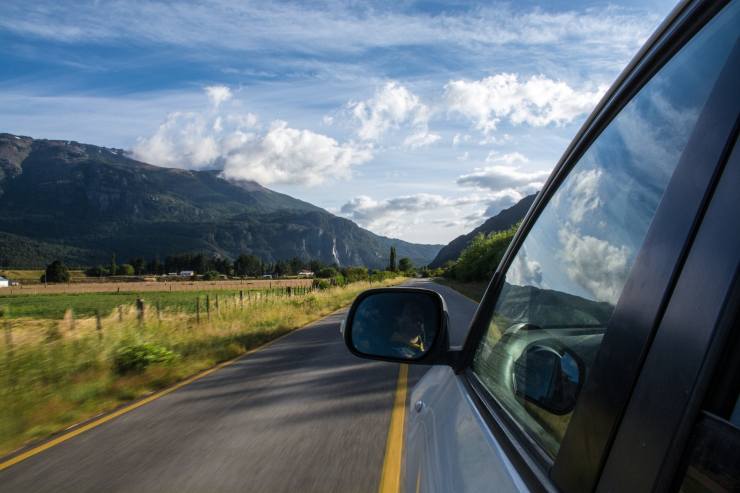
(402, 325)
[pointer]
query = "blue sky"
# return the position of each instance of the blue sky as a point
(415, 119)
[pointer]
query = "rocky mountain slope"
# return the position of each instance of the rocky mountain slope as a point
(501, 221)
(61, 199)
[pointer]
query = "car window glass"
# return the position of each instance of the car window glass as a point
(566, 278)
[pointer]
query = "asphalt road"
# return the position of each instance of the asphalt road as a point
(302, 414)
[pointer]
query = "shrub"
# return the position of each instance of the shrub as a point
(130, 358)
(327, 273)
(405, 264)
(321, 283)
(126, 270)
(56, 272)
(354, 274)
(211, 275)
(481, 257)
(97, 271)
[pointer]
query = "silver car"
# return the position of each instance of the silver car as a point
(605, 354)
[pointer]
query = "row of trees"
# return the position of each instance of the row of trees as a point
(243, 265)
(404, 265)
(211, 266)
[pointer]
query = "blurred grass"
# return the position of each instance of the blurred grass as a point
(54, 373)
(54, 306)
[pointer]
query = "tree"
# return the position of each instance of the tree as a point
(113, 266)
(327, 272)
(405, 264)
(280, 268)
(315, 266)
(154, 266)
(248, 265)
(139, 265)
(56, 272)
(126, 270)
(296, 265)
(392, 261)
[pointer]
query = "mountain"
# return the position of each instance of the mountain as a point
(501, 221)
(80, 202)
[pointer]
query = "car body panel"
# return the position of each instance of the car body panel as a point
(449, 451)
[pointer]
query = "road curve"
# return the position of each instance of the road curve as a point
(299, 415)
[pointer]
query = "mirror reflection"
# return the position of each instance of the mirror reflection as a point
(548, 379)
(395, 325)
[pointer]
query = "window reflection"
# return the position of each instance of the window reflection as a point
(569, 273)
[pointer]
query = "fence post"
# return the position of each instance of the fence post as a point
(241, 298)
(98, 325)
(120, 313)
(140, 310)
(197, 309)
(218, 307)
(159, 311)
(208, 307)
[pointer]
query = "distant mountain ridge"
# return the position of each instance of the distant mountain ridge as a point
(500, 222)
(80, 202)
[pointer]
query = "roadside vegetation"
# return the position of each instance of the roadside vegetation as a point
(470, 273)
(59, 370)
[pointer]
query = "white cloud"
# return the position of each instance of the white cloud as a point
(537, 101)
(391, 107)
(185, 140)
(234, 143)
(524, 271)
(218, 95)
(503, 174)
(345, 28)
(596, 265)
(290, 156)
(392, 216)
(460, 138)
(420, 138)
(584, 193)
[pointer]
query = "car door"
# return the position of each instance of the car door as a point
(536, 397)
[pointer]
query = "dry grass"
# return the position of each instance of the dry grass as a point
(150, 286)
(56, 373)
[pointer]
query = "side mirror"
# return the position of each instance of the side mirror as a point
(407, 325)
(548, 378)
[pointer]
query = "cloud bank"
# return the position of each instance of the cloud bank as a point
(235, 143)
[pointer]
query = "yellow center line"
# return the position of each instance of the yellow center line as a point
(390, 478)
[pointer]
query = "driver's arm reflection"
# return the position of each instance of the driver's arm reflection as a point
(408, 338)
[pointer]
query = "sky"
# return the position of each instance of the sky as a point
(416, 119)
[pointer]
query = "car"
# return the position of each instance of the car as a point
(605, 352)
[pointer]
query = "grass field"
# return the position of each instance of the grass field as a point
(54, 373)
(31, 275)
(95, 286)
(54, 306)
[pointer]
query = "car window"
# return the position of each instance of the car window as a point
(562, 286)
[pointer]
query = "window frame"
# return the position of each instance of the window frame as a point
(644, 295)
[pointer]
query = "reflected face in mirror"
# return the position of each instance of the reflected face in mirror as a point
(395, 325)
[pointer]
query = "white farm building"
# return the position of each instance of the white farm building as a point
(4, 283)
